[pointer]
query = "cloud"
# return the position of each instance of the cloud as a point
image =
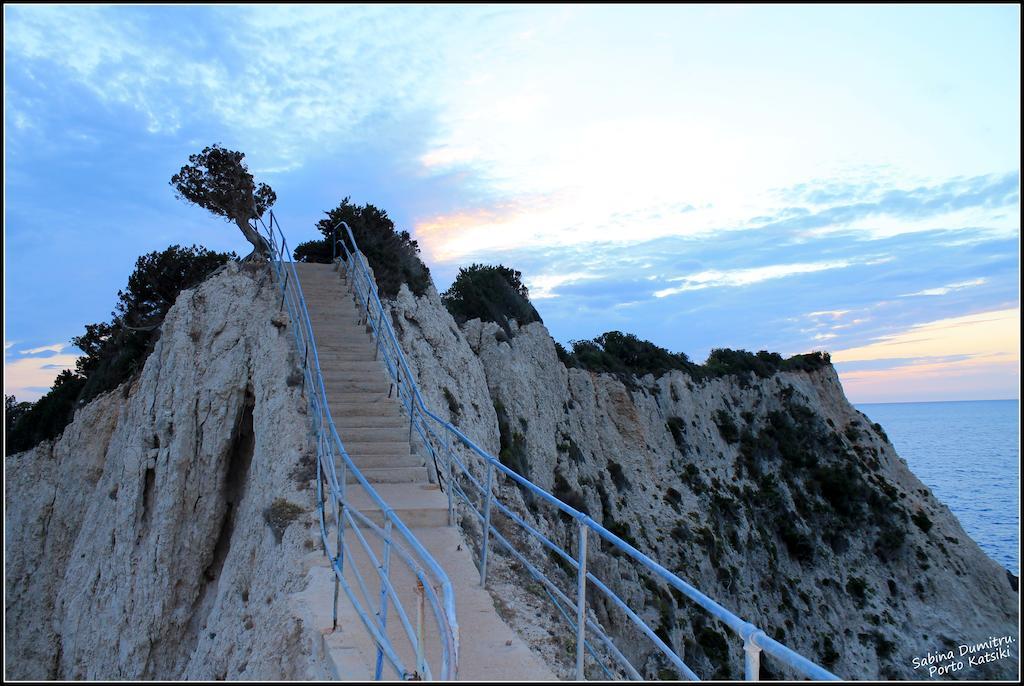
(56, 348)
(970, 357)
(713, 278)
(286, 83)
(28, 378)
(943, 290)
(985, 335)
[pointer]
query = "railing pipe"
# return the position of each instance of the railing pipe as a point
(581, 601)
(487, 528)
(444, 609)
(448, 482)
(416, 404)
(385, 578)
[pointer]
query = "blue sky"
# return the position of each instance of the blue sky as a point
(782, 178)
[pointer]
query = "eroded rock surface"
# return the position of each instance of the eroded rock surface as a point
(138, 545)
(774, 496)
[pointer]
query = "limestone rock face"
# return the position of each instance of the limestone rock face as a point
(138, 544)
(774, 496)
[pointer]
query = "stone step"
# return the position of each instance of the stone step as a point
(340, 343)
(347, 423)
(360, 448)
(339, 355)
(345, 413)
(398, 433)
(395, 475)
(347, 366)
(339, 351)
(417, 506)
(385, 462)
(336, 386)
(372, 402)
(330, 372)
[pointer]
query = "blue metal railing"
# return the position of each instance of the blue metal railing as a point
(438, 437)
(344, 517)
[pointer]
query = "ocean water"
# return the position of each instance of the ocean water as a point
(968, 453)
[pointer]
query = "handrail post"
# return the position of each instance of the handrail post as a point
(487, 527)
(376, 348)
(449, 471)
(752, 659)
(581, 601)
(382, 614)
(339, 557)
(421, 599)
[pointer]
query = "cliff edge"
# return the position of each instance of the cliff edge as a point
(774, 496)
(161, 536)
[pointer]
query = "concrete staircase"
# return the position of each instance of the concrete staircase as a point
(376, 435)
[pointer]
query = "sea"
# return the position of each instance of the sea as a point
(968, 453)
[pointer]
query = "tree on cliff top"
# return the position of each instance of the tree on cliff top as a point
(492, 293)
(217, 180)
(393, 255)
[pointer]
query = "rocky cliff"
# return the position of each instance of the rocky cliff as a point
(166, 534)
(161, 536)
(774, 496)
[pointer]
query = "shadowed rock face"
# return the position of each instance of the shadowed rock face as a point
(774, 496)
(136, 545)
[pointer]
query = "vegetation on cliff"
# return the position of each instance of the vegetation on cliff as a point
(491, 293)
(628, 356)
(393, 255)
(116, 350)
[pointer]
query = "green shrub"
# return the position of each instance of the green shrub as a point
(313, 251)
(727, 427)
(279, 515)
(880, 431)
(625, 354)
(922, 521)
(565, 357)
(47, 417)
(393, 255)
(491, 293)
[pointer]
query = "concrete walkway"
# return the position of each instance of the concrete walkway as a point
(375, 433)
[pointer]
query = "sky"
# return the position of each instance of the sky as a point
(785, 178)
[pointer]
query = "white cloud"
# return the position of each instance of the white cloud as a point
(25, 376)
(544, 285)
(834, 314)
(713, 278)
(943, 290)
(56, 348)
